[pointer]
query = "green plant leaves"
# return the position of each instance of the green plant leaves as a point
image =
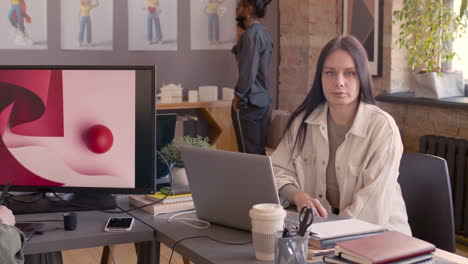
(427, 27)
(171, 152)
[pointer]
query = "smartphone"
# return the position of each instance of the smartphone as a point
(116, 224)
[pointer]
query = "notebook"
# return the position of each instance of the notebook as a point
(343, 228)
(159, 208)
(422, 259)
(170, 198)
(387, 247)
(225, 185)
(330, 243)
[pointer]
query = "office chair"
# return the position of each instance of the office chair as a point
(425, 184)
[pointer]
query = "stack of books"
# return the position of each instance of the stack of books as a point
(175, 198)
(161, 204)
(388, 247)
(326, 234)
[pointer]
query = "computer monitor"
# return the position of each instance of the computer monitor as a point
(78, 129)
(165, 130)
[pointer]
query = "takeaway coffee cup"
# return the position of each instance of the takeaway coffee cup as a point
(266, 219)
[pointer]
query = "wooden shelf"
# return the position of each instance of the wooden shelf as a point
(217, 114)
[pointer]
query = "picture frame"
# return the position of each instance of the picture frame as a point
(364, 20)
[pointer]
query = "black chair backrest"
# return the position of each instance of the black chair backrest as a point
(425, 185)
(165, 130)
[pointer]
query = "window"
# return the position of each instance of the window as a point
(459, 46)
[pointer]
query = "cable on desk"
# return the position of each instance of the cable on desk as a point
(40, 221)
(178, 241)
(108, 211)
(137, 218)
(32, 200)
(186, 220)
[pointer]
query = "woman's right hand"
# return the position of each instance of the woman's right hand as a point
(7, 216)
(235, 103)
(302, 199)
(239, 32)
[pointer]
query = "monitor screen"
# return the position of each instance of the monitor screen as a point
(77, 128)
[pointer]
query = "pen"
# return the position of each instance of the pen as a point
(4, 192)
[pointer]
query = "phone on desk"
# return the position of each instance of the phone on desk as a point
(117, 224)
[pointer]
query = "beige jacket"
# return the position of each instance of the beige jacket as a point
(367, 164)
(11, 244)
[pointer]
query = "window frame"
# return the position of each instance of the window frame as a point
(451, 3)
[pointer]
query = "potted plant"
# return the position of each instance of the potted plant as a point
(171, 153)
(427, 29)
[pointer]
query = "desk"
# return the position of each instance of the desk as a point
(89, 233)
(206, 251)
(202, 250)
(218, 116)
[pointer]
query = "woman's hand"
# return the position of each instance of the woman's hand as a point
(239, 32)
(302, 199)
(7, 216)
(235, 103)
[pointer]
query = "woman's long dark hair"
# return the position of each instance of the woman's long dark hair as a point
(316, 96)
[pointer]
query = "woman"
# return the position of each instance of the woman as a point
(154, 9)
(253, 52)
(17, 16)
(85, 20)
(211, 10)
(341, 153)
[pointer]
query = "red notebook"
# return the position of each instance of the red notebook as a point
(383, 248)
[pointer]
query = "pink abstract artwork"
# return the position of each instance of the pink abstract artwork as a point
(44, 116)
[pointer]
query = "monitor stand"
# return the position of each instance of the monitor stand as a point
(39, 203)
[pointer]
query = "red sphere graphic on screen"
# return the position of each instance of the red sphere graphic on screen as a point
(99, 139)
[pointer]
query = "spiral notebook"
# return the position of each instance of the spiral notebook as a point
(169, 199)
(159, 208)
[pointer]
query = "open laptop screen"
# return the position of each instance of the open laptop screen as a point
(225, 185)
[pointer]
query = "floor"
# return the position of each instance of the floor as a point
(462, 246)
(125, 254)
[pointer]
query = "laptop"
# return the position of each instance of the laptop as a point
(225, 185)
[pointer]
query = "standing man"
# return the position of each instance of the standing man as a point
(252, 99)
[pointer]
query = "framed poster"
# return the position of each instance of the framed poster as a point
(24, 25)
(152, 25)
(364, 20)
(86, 24)
(213, 24)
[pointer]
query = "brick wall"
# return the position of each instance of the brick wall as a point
(307, 25)
(417, 120)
